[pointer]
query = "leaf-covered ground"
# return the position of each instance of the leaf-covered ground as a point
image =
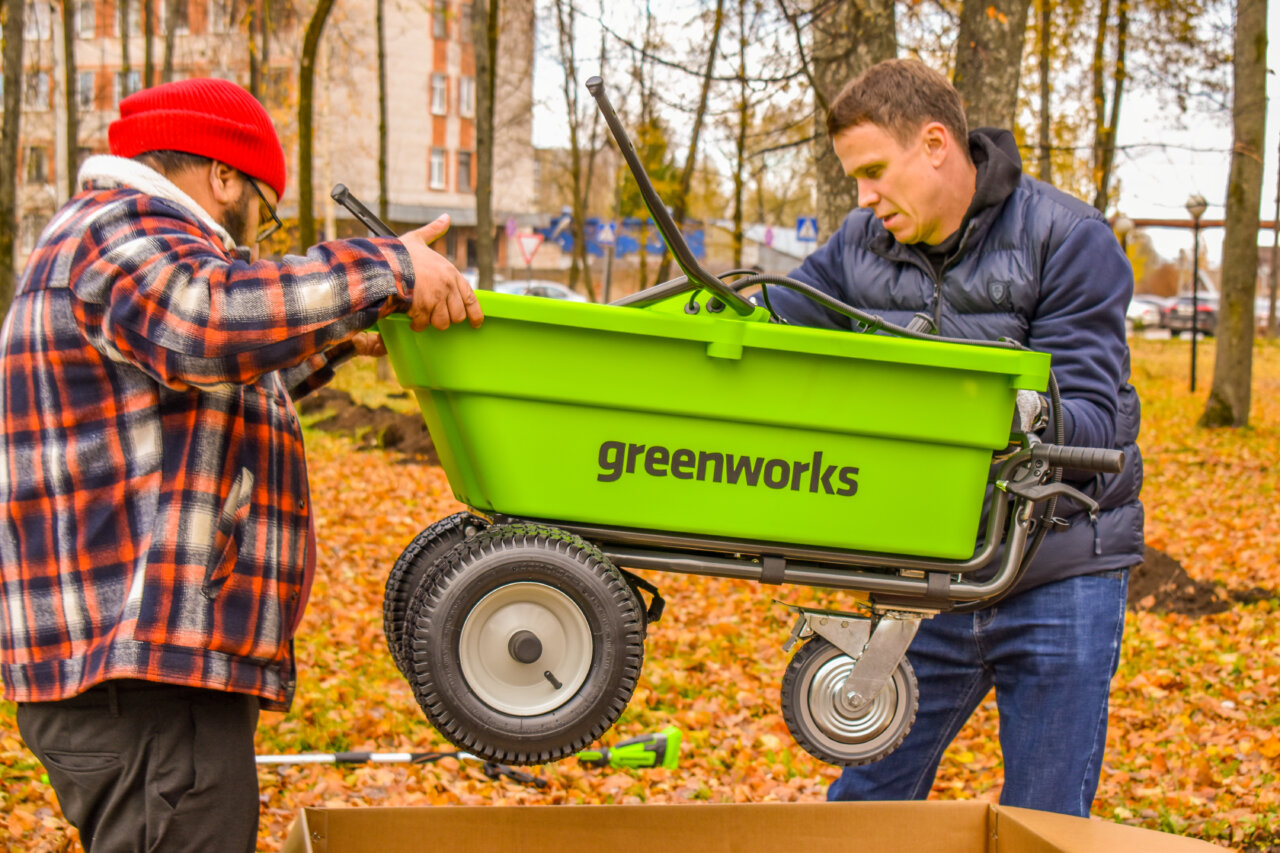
(1193, 746)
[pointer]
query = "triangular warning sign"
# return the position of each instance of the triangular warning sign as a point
(529, 244)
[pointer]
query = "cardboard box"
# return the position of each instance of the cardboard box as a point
(945, 827)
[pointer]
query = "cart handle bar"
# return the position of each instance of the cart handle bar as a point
(1080, 458)
(343, 196)
(661, 216)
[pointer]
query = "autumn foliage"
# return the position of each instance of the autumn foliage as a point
(1193, 746)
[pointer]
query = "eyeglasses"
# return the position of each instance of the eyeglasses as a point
(268, 222)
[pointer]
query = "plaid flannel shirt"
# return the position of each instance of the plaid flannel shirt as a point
(156, 521)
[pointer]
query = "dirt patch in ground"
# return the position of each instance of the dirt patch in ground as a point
(381, 428)
(1163, 585)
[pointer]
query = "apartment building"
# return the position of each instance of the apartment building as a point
(430, 89)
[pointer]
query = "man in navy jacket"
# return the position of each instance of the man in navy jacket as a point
(947, 224)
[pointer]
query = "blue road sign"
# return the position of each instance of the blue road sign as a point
(807, 229)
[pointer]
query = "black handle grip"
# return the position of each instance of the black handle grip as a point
(343, 196)
(1080, 458)
(698, 277)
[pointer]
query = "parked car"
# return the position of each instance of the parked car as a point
(472, 275)
(538, 287)
(1176, 316)
(1144, 311)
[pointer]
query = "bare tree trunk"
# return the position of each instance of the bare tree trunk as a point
(383, 370)
(680, 204)
(306, 115)
(69, 84)
(171, 10)
(254, 13)
(485, 36)
(122, 12)
(12, 24)
(988, 59)
(148, 31)
(383, 191)
(566, 34)
(740, 140)
(1273, 322)
(848, 38)
(1229, 398)
(1046, 50)
(1105, 135)
(1099, 73)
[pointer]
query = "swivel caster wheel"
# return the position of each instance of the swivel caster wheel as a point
(831, 728)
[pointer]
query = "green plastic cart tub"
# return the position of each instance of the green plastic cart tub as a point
(714, 424)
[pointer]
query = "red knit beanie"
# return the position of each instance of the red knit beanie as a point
(203, 116)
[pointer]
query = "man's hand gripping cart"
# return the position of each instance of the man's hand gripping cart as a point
(684, 429)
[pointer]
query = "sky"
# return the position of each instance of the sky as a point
(1161, 165)
(1156, 183)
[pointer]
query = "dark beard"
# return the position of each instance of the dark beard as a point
(236, 218)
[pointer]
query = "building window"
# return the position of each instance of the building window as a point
(467, 96)
(37, 165)
(181, 19)
(84, 91)
(468, 24)
(439, 24)
(36, 97)
(38, 23)
(219, 15)
(439, 94)
(86, 19)
(127, 83)
(133, 10)
(465, 184)
(435, 180)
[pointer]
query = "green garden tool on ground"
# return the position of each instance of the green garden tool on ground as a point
(652, 750)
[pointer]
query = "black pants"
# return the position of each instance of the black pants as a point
(151, 767)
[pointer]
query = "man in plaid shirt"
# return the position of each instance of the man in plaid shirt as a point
(156, 548)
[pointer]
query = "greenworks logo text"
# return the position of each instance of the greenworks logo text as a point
(619, 457)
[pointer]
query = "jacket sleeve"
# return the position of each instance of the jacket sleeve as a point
(317, 371)
(824, 269)
(154, 288)
(1079, 320)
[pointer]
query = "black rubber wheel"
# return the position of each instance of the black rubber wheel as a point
(415, 563)
(827, 726)
(526, 644)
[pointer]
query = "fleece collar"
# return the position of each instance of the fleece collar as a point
(108, 171)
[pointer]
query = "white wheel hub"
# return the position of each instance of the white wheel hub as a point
(504, 682)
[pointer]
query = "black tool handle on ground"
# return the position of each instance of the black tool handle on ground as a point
(1080, 458)
(661, 216)
(343, 196)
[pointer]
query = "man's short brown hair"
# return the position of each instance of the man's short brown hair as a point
(900, 96)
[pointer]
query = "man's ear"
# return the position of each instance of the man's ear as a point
(937, 142)
(224, 183)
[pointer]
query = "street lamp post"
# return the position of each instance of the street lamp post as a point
(1196, 206)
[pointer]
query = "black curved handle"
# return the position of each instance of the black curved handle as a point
(343, 196)
(698, 277)
(1080, 458)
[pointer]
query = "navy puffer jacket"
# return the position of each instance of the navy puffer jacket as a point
(1042, 268)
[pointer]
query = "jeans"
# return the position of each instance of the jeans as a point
(1050, 653)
